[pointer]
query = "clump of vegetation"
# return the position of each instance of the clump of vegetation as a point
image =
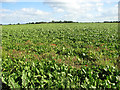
(70, 55)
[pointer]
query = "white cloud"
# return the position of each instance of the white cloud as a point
(107, 1)
(21, 0)
(58, 10)
(32, 11)
(8, 0)
(84, 9)
(24, 15)
(4, 10)
(76, 10)
(81, 1)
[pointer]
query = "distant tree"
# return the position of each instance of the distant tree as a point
(111, 21)
(53, 21)
(18, 23)
(32, 22)
(60, 21)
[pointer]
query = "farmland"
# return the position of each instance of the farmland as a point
(74, 55)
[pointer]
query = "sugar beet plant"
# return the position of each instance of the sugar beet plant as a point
(60, 56)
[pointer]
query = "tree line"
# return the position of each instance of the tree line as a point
(52, 22)
(111, 21)
(63, 22)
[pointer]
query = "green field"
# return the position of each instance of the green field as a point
(74, 55)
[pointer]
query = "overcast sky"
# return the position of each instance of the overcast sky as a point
(23, 11)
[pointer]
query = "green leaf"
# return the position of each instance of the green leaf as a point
(24, 79)
(12, 83)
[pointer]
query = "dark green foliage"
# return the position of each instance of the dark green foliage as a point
(49, 74)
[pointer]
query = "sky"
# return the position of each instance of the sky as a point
(24, 11)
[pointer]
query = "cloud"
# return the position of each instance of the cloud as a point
(32, 11)
(84, 9)
(8, 0)
(119, 11)
(64, 1)
(58, 10)
(23, 15)
(75, 10)
(4, 10)
(21, 0)
(81, 1)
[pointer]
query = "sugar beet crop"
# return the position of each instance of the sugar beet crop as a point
(76, 55)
